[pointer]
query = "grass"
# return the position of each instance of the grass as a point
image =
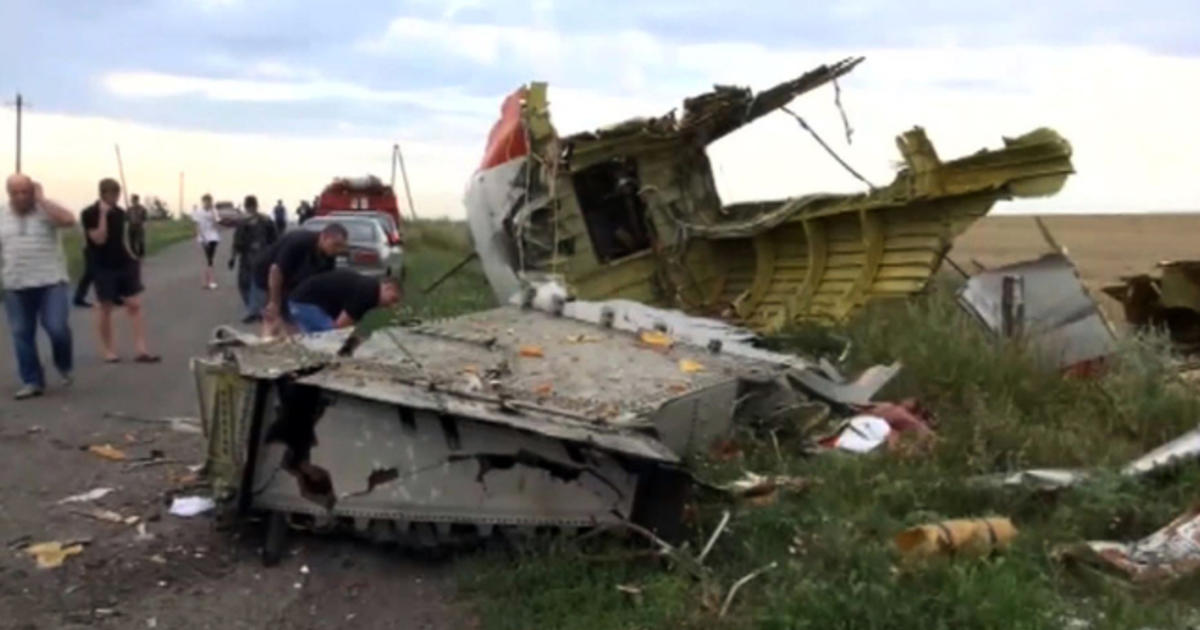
(159, 234)
(997, 410)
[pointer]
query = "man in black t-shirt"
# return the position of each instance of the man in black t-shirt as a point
(339, 298)
(254, 234)
(288, 262)
(116, 272)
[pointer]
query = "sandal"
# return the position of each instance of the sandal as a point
(148, 358)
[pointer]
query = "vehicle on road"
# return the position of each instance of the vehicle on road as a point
(386, 221)
(358, 194)
(228, 214)
(370, 251)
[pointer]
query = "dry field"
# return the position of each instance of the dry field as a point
(1104, 247)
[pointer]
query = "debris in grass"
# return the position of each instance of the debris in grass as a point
(978, 536)
(633, 592)
(85, 497)
(1168, 554)
(742, 582)
(861, 434)
(191, 506)
(107, 451)
(881, 423)
(763, 490)
(108, 516)
(52, 554)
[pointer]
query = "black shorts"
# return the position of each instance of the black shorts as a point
(210, 250)
(114, 285)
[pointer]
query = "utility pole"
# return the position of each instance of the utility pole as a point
(20, 105)
(397, 156)
(181, 212)
(121, 172)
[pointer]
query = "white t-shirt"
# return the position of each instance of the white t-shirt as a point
(30, 250)
(206, 225)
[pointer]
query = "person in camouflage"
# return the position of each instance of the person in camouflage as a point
(254, 234)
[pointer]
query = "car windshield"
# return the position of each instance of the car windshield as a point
(360, 231)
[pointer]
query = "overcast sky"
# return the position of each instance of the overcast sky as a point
(275, 97)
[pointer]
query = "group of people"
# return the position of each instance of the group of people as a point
(287, 280)
(33, 270)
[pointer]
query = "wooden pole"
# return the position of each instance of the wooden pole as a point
(121, 173)
(181, 213)
(412, 210)
(20, 104)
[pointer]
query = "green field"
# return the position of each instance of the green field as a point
(996, 411)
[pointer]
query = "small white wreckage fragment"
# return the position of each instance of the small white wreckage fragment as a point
(188, 507)
(1166, 555)
(85, 497)
(863, 434)
(762, 490)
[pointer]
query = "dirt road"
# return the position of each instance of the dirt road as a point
(185, 573)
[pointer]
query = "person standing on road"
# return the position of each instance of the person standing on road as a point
(280, 217)
(34, 272)
(292, 260)
(117, 272)
(254, 234)
(85, 279)
(206, 220)
(339, 298)
(137, 227)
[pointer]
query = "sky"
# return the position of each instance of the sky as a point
(276, 97)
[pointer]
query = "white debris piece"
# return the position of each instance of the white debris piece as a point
(191, 506)
(85, 497)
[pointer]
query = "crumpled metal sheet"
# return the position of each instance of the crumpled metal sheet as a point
(1168, 554)
(1061, 321)
(1183, 448)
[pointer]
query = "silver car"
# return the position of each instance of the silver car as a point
(370, 251)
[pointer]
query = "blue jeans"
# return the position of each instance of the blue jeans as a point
(310, 318)
(256, 299)
(25, 307)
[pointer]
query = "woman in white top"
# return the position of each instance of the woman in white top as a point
(206, 220)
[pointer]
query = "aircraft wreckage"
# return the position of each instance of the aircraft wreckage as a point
(632, 211)
(551, 413)
(577, 405)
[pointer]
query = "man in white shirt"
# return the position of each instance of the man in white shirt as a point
(205, 218)
(34, 273)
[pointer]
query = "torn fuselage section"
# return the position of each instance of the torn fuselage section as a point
(632, 211)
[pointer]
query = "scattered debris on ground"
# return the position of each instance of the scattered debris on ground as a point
(85, 497)
(188, 507)
(1168, 300)
(107, 451)
(1168, 554)
(52, 554)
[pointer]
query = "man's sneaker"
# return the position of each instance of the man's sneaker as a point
(28, 391)
(83, 304)
(67, 380)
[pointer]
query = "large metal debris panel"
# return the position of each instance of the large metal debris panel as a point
(526, 369)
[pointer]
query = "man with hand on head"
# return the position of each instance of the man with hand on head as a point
(34, 273)
(293, 259)
(339, 298)
(118, 275)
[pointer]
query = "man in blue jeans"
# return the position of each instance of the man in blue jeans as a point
(34, 273)
(339, 298)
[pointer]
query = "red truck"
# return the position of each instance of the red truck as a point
(362, 194)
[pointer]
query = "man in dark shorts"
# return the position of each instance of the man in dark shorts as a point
(117, 273)
(254, 234)
(292, 260)
(339, 298)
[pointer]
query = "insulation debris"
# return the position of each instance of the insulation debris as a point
(975, 537)
(107, 451)
(52, 554)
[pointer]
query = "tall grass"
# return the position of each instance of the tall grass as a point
(997, 410)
